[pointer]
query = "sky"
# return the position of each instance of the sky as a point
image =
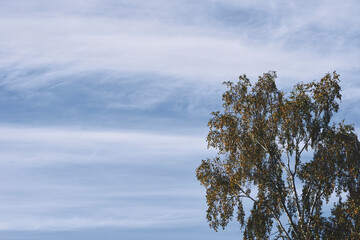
(105, 104)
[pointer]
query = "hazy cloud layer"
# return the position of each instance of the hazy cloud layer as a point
(105, 103)
(300, 41)
(60, 179)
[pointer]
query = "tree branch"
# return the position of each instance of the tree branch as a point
(293, 186)
(290, 174)
(317, 197)
(288, 160)
(305, 145)
(297, 204)
(272, 212)
(292, 224)
(266, 150)
(282, 227)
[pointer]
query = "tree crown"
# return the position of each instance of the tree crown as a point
(262, 136)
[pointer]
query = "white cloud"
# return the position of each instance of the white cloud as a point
(68, 44)
(63, 179)
(42, 205)
(41, 146)
(152, 217)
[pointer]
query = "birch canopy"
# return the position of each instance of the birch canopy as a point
(283, 154)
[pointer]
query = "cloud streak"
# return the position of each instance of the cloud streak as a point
(63, 179)
(51, 145)
(67, 44)
(152, 71)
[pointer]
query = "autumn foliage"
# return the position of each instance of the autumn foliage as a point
(283, 153)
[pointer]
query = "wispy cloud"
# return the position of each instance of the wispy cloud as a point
(61, 179)
(66, 43)
(151, 217)
(154, 64)
(51, 145)
(182, 50)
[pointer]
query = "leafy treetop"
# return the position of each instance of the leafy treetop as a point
(261, 136)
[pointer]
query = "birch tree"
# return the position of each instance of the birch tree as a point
(285, 155)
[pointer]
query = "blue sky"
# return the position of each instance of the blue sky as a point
(104, 104)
